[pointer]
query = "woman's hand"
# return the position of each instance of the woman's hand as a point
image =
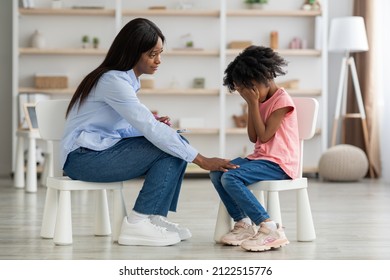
(214, 164)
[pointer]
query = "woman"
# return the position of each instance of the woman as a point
(111, 136)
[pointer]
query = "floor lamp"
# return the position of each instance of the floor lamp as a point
(348, 35)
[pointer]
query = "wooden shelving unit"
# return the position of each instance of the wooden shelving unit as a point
(215, 54)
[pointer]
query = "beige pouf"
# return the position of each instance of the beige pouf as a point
(343, 163)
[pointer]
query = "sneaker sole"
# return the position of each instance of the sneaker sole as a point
(185, 236)
(132, 241)
(262, 248)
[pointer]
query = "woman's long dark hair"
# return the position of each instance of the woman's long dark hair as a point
(135, 38)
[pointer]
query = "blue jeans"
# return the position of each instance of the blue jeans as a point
(128, 159)
(232, 187)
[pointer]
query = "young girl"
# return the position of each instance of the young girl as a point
(111, 136)
(273, 127)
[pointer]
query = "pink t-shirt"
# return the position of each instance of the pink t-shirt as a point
(284, 147)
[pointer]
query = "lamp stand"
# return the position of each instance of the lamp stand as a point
(349, 62)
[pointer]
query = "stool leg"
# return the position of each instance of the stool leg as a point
(102, 215)
(305, 226)
(273, 207)
(119, 214)
(63, 228)
(31, 184)
(223, 224)
(19, 163)
(49, 213)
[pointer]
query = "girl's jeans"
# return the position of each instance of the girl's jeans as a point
(128, 159)
(232, 187)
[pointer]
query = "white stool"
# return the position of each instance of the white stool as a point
(31, 181)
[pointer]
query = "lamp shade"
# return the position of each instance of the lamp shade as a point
(348, 34)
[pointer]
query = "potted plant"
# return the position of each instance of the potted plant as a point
(85, 41)
(190, 44)
(95, 42)
(256, 4)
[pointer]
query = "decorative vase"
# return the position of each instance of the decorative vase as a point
(38, 41)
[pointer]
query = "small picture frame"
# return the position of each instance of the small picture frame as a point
(31, 116)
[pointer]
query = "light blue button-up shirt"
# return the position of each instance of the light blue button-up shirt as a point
(111, 112)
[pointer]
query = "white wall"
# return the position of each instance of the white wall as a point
(5, 87)
(336, 9)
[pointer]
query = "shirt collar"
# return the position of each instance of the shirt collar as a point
(134, 80)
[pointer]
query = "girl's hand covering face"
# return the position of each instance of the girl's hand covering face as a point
(249, 94)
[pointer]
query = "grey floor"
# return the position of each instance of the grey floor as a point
(352, 223)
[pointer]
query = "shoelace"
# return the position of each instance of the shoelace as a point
(159, 228)
(165, 221)
(237, 227)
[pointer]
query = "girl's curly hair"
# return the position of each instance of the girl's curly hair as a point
(255, 63)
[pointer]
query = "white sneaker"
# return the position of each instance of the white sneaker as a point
(183, 232)
(144, 233)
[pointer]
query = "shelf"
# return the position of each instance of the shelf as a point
(67, 12)
(62, 51)
(91, 51)
(179, 91)
(195, 169)
(50, 91)
(294, 92)
(203, 131)
(191, 52)
(283, 52)
(310, 170)
(167, 12)
(304, 92)
(156, 91)
(273, 13)
(243, 131)
(236, 130)
(171, 12)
